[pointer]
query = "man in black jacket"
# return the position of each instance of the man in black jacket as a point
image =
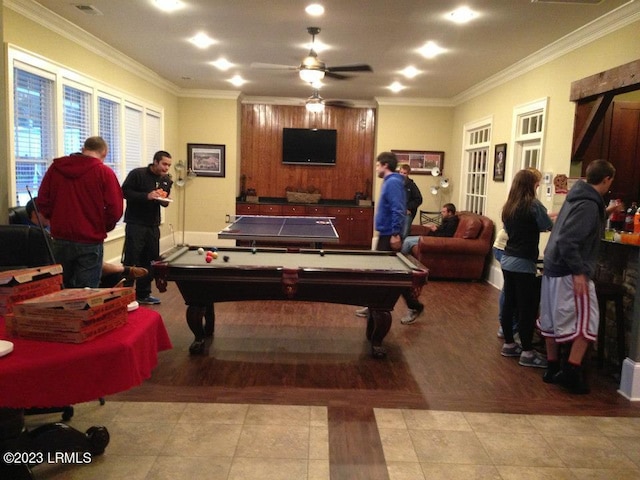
(146, 189)
(414, 198)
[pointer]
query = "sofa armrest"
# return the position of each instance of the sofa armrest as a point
(442, 245)
(417, 230)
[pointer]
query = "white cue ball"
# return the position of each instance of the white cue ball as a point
(201, 251)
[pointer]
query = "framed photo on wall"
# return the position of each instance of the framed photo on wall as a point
(421, 162)
(500, 162)
(206, 160)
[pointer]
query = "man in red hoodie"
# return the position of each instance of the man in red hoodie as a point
(82, 198)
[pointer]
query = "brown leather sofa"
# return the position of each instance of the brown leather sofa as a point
(462, 256)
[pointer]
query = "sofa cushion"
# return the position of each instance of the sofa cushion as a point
(469, 227)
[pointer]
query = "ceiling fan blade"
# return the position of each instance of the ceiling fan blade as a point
(273, 66)
(351, 68)
(335, 76)
(338, 103)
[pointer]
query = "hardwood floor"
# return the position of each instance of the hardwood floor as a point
(299, 353)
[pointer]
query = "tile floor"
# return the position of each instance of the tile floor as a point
(177, 441)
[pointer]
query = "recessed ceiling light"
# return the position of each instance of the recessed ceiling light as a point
(222, 64)
(430, 50)
(461, 15)
(396, 87)
(315, 9)
(237, 81)
(410, 72)
(168, 5)
(202, 40)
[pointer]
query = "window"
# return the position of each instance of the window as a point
(132, 137)
(476, 165)
(32, 130)
(75, 119)
(53, 111)
(528, 126)
(109, 128)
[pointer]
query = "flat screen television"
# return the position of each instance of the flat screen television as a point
(309, 146)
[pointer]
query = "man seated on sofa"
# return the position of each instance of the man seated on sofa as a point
(112, 274)
(447, 227)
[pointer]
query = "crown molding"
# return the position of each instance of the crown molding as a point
(414, 102)
(203, 93)
(615, 20)
(50, 20)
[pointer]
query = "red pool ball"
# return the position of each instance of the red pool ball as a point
(208, 258)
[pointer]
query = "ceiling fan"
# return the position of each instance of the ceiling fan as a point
(315, 103)
(312, 69)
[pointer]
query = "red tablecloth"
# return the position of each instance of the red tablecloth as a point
(46, 374)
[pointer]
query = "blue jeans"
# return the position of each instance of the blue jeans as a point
(408, 220)
(408, 243)
(81, 263)
(497, 253)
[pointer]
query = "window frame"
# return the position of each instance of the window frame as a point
(62, 76)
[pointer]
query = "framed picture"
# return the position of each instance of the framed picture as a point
(421, 162)
(206, 160)
(499, 162)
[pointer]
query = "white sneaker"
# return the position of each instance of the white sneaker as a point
(410, 317)
(363, 312)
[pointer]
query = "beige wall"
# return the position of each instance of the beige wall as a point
(206, 201)
(417, 128)
(552, 80)
(27, 35)
(209, 199)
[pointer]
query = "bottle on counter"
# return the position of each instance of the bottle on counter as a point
(636, 222)
(629, 218)
(617, 217)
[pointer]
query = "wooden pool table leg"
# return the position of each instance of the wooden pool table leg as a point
(378, 325)
(201, 322)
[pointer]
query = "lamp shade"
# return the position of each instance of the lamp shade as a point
(315, 103)
(311, 75)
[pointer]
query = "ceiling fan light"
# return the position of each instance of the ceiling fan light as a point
(434, 190)
(444, 183)
(310, 75)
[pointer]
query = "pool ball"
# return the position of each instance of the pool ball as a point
(322, 253)
(201, 251)
(209, 253)
(208, 259)
(214, 255)
(253, 250)
(226, 258)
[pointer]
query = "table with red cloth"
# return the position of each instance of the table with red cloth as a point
(53, 374)
(47, 374)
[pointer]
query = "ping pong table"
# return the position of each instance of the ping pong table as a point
(314, 230)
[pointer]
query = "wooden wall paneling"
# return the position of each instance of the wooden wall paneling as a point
(261, 150)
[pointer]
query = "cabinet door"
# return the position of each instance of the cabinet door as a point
(361, 226)
(270, 209)
(294, 210)
(317, 211)
(342, 223)
(247, 209)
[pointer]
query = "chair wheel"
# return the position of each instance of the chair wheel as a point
(67, 413)
(98, 439)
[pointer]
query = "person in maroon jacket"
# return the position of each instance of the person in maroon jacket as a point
(82, 199)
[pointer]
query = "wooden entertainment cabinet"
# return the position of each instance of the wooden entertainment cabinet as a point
(354, 223)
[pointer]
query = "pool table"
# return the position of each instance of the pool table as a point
(363, 278)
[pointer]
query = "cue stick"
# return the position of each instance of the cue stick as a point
(45, 234)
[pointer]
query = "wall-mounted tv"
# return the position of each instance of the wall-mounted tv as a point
(309, 146)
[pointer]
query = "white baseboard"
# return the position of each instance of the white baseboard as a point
(630, 380)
